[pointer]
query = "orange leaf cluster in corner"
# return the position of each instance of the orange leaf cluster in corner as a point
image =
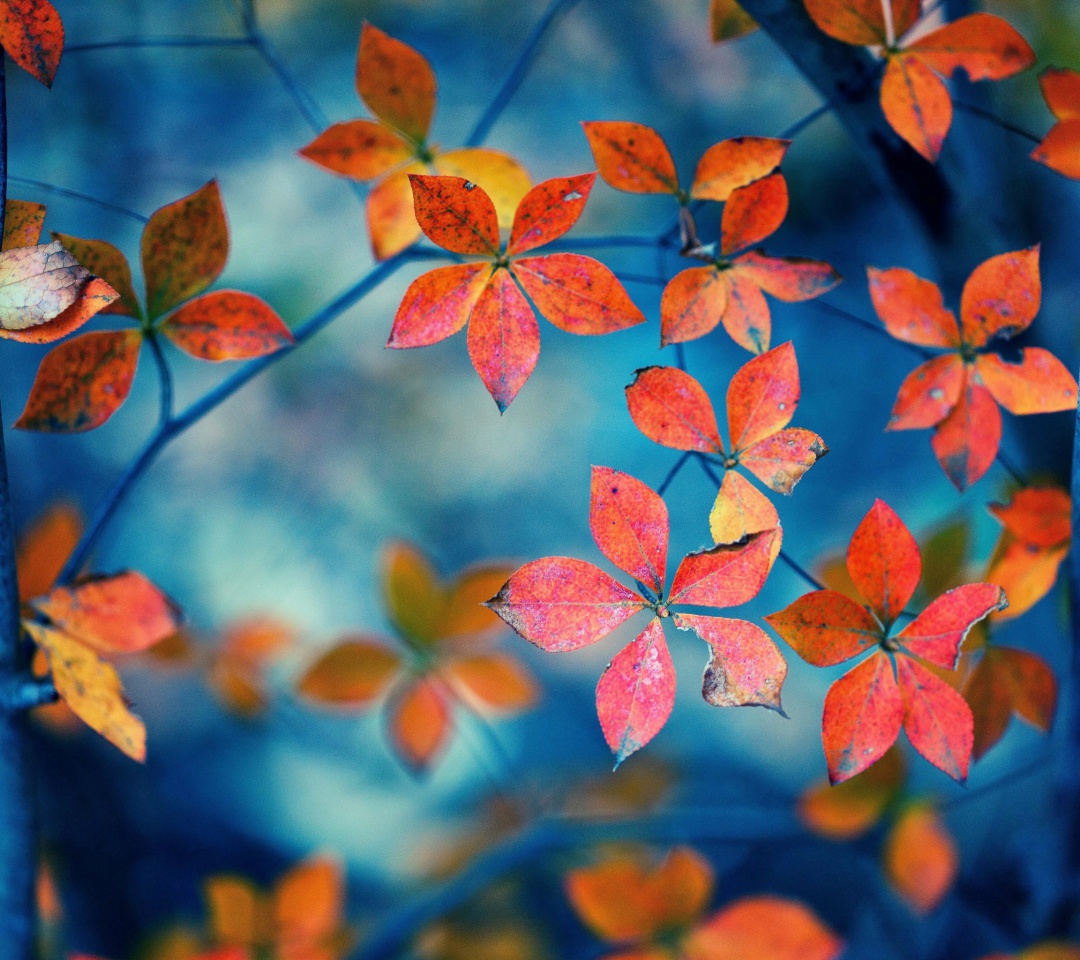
(561, 604)
(83, 382)
(892, 688)
(577, 294)
(914, 97)
(958, 392)
(398, 86)
(1060, 148)
(32, 34)
(672, 408)
(445, 633)
(645, 912)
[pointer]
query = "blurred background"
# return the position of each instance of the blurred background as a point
(280, 502)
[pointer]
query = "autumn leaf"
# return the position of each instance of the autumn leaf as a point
(920, 858)
(23, 221)
(1060, 148)
(958, 392)
(33, 36)
(728, 21)
(561, 604)
(576, 293)
(227, 325)
(851, 808)
(766, 928)
(867, 707)
(1007, 682)
(105, 261)
(44, 547)
(242, 655)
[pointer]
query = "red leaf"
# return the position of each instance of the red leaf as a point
(725, 575)
(912, 309)
(762, 396)
(1060, 149)
(745, 667)
(780, 461)
(1039, 383)
(503, 179)
(124, 613)
(560, 603)
(916, 103)
(456, 214)
(984, 46)
(937, 632)
(1001, 297)
(636, 692)
(862, 22)
(82, 382)
(227, 325)
(826, 628)
(746, 318)
(358, 149)
(632, 157)
(753, 213)
(1008, 681)
(1041, 516)
(672, 408)
(395, 82)
(966, 441)
(1061, 90)
(577, 294)
(33, 35)
(105, 261)
(928, 394)
(692, 304)
(731, 164)
(629, 522)
(184, 249)
(548, 211)
(437, 304)
(863, 714)
(883, 561)
(504, 339)
(936, 718)
(419, 723)
(791, 279)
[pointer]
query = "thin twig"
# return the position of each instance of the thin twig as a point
(127, 43)
(1005, 780)
(76, 195)
(673, 472)
(790, 133)
(801, 571)
(165, 377)
(976, 111)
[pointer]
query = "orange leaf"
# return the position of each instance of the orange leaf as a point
(95, 297)
(1060, 149)
(680, 888)
(920, 858)
(502, 177)
(22, 224)
(307, 908)
(730, 164)
(862, 22)
(82, 382)
(358, 149)
(728, 21)
(1061, 90)
(44, 548)
(548, 211)
(670, 407)
(912, 309)
(1038, 383)
(184, 249)
(916, 103)
(745, 667)
(396, 82)
(104, 260)
(863, 714)
(578, 294)
(494, 680)
(239, 914)
(92, 688)
(928, 394)
(984, 46)
(464, 614)
(456, 214)
(419, 723)
(753, 213)
(560, 603)
(352, 673)
(632, 157)
(935, 634)
(966, 441)
(825, 627)
(762, 396)
(884, 562)
(1004, 682)
(851, 808)
(629, 522)
(1026, 573)
(413, 595)
(227, 325)
(636, 692)
(1001, 297)
(765, 928)
(504, 339)
(390, 212)
(726, 575)
(609, 898)
(791, 279)
(746, 318)
(33, 36)
(122, 613)
(780, 461)
(740, 510)
(1041, 516)
(692, 304)
(937, 719)
(437, 304)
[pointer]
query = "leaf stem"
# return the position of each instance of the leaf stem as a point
(76, 195)
(127, 43)
(977, 111)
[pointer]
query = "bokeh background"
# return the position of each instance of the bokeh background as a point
(280, 502)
